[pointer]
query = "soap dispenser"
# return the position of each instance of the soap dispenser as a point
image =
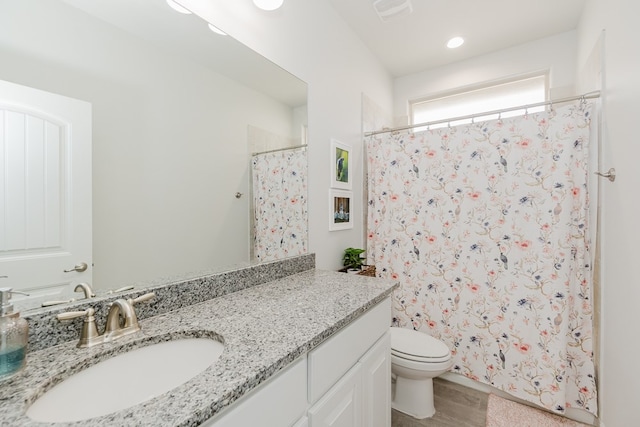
(14, 333)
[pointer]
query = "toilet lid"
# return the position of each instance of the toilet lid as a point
(414, 345)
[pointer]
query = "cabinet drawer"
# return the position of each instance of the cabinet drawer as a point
(333, 358)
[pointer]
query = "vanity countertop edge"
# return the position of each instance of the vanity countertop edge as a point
(264, 328)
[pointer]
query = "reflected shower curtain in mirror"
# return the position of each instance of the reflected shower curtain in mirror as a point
(279, 198)
(485, 227)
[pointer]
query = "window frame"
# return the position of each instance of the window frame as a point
(474, 89)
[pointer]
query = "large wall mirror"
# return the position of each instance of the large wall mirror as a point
(177, 113)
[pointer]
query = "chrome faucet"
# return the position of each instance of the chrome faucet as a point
(116, 328)
(86, 288)
(121, 321)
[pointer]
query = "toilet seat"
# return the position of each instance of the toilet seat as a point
(416, 346)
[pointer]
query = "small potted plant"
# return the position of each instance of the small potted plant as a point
(352, 260)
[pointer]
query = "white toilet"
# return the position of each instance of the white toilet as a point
(416, 358)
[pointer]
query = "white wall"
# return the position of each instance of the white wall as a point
(555, 54)
(619, 395)
(170, 140)
(311, 41)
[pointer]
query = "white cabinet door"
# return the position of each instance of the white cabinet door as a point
(280, 401)
(376, 384)
(45, 191)
(341, 406)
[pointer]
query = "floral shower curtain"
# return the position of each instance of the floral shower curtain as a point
(485, 227)
(279, 190)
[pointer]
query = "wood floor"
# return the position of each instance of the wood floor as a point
(456, 406)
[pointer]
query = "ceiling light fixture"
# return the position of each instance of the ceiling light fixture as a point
(268, 4)
(455, 42)
(175, 6)
(217, 30)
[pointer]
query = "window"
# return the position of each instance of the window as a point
(530, 90)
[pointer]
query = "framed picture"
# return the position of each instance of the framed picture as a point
(340, 165)
(341, 206)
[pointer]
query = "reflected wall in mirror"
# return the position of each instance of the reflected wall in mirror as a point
(177, 112)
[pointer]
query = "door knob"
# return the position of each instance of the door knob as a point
(79, 268)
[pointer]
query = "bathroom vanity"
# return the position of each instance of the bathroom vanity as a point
(308, 349)
(344, 381)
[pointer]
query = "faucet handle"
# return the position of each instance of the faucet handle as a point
(115, 291)
(142, 298)
(56, 302)
(89, 335)
(74, 314)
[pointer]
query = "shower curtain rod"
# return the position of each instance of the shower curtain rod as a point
(590, 95)
(279, 149)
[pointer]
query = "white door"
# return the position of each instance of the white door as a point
(45, 192)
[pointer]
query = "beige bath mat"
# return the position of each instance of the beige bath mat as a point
(505, 413)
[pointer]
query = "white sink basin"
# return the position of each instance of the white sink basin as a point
(126, 380)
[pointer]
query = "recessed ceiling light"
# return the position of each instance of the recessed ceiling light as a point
(455, 42)
(217, 30)
(268, 4)
(175, 6)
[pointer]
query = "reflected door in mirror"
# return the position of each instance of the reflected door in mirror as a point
(45, 189)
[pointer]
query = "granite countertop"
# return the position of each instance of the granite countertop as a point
(264, 328)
